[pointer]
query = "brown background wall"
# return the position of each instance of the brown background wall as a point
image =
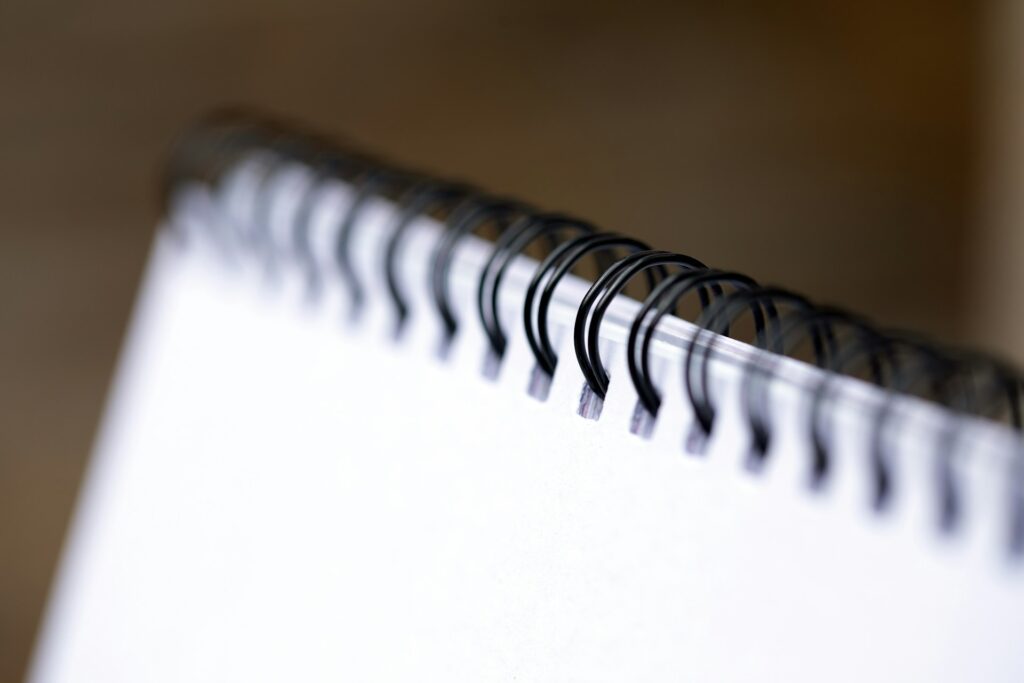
(828, 147)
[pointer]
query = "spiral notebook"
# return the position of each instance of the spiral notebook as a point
(360, 430)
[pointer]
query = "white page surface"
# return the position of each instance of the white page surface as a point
(280, 494)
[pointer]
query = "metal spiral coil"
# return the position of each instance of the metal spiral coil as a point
(841, 343)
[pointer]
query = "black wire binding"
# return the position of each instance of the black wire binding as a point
(370, 185)
(421, 199)
(805, 323)
(586, 332)
(927, 372)
(208, 148)
(662, 300)
(951, 375)
(1015, 494)
(842, 343)
(549, 273)
(713, 323)
(332, 167)
(204, 155)
(510, 244)
(472, 215)
(287, 152)
(871, 347)
(1005, 395)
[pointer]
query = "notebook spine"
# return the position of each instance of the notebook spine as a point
(840, 342)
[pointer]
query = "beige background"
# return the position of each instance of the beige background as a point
(830, 147)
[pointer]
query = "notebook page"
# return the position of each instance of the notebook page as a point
(278, 493)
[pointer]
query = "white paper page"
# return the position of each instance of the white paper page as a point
(278, 494)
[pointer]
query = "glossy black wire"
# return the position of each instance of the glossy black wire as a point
(420, 200)
(663, 299)
(374, 183)
(869, 346)
(507, 247)
(958, 377)
(925, 367)
(550, 272)
(206, 149)
(586, 331)
(286, 151)
(216, 148)
(330, 167)
(758, 372)
(1002, 392)
(473, 214)
(713, 323)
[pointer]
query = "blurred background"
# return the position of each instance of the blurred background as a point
(867, 154)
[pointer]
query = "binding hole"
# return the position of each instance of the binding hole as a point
(820, 465)
(591, 404)
(949, 494)
(642, 421)
(758, 453)
(491, 366)
(539, 386)
(1015, 542)
(881, 492)
(697, 438)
